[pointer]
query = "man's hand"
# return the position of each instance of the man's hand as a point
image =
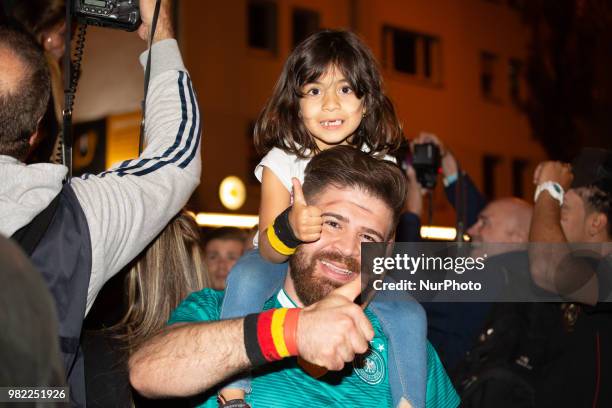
(305, 220)
(164, 30)
(449, 163)
(332, 331)
(555, 171)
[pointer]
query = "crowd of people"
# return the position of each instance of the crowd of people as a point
(277, 319)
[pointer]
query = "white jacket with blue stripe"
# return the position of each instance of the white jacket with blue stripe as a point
(128, 205)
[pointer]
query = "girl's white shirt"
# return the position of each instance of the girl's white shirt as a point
(285, 166)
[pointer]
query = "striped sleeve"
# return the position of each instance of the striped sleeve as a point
(440, 391)
(128, 205)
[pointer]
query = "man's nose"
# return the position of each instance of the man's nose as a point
(223, 264)
(474, 230)
(348, 245)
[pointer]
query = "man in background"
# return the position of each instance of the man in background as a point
(222, 248)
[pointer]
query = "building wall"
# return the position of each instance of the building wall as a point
(233, 82)
(111, 79)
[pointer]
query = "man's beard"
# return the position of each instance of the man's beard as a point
(310, 288)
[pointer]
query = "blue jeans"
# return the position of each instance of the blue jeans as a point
(253, 280)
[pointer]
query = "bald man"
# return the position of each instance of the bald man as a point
(506, 221)
(453, 327)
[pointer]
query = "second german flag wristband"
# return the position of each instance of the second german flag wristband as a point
(271, 335)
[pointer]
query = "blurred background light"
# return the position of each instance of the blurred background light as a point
(226, 220)
(232, 192)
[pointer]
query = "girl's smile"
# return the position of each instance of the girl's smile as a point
(330, 109)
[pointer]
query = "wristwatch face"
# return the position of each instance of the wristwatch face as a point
(557, 188)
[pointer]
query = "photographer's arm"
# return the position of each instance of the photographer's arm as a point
(409, 225)
(164, 29)
(128, 205)
(475, 202)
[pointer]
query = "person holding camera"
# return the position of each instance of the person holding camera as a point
(452, 328)
(81, 233)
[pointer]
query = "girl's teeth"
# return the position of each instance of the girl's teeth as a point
(333, 123)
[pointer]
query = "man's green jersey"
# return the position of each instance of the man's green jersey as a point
(282, 384)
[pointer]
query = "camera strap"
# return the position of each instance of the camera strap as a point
(147, 76)
(66, 132)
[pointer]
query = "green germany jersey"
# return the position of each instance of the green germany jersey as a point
(364, 383)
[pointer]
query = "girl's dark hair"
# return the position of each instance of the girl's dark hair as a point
(344, 167)
(279, 124)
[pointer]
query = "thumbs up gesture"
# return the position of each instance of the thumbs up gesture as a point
(332, 331)
(305, 220)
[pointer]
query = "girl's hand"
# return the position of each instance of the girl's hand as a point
(305, 220)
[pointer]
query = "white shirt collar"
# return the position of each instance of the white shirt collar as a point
(285, 300)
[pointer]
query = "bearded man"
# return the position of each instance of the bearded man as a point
(299, 347)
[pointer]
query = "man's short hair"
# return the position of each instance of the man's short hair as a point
(22, 104)
(593, 181)
(345, 166)
(226, 233)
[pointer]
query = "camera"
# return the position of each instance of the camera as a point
(426, 161)
(121, 14)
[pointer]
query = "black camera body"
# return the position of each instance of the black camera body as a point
(121, 14)
(426, 161)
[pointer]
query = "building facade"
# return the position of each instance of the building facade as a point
(451, 67)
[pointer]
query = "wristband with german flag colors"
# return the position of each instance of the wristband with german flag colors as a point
(281, 235)
(271, 335)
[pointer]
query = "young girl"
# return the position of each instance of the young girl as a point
(329, 93)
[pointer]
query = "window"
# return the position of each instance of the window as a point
(489, 163)
(412, 53)
(518, 176)
(305, 23)
(262, 25)
(515, 69)
(488, 67)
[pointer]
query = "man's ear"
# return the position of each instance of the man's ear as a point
(598, 223)
(36, 136)
(34, 139)
(518, 237)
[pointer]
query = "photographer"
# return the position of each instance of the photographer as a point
(452, 327)
(410, 223)
(81, 233)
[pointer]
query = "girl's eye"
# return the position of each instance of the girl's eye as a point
(313, 91)
(346, 90)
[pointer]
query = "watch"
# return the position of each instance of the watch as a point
(554, 189)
